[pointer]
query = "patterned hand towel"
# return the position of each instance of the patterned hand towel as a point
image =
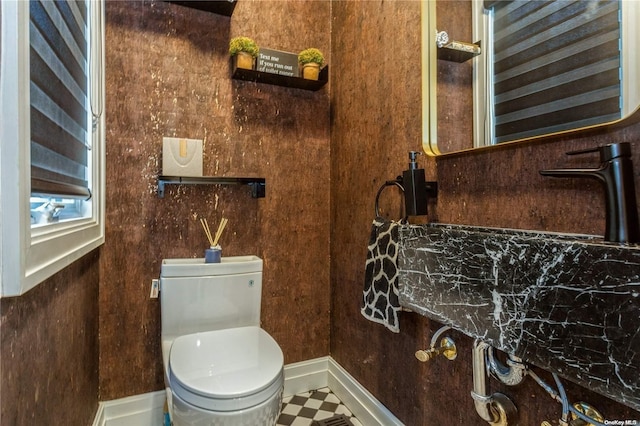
(380, 296)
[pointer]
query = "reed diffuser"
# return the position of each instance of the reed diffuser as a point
(214, 253)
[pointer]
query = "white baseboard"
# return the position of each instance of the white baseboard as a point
(137, 410)
(360, 401)
(147, 409)
(304, 376)
(326, 372)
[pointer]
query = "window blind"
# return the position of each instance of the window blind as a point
(556, 66)
(59, 93)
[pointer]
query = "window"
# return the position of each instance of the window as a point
(549, 67)
(60, 110)
(52, 152)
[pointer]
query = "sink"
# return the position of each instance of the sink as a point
(564, 302)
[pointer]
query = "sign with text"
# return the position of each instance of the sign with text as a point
(278, 62)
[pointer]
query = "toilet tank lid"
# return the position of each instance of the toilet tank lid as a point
(197, 268)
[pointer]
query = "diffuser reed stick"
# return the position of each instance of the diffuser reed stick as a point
(207, 231)
(223, 223)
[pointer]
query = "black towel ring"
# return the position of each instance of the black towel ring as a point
(396, 182)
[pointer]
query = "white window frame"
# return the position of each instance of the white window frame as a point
(483, 113)
(29, 256)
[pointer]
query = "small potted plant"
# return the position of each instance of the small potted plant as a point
(245, 50)
(310, 60)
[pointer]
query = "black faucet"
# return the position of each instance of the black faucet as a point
(616, 173)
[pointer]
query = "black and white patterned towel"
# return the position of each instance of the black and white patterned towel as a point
(380, 296)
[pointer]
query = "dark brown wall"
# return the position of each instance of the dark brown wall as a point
(375, 121)
(168, 74)
(49, 350)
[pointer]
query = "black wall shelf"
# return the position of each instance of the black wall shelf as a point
(257, 184)
(281, 80)
(220, 7)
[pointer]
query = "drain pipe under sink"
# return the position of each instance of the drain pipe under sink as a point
(511, 374)
(496, 409)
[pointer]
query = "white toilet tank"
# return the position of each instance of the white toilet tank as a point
(197, 296)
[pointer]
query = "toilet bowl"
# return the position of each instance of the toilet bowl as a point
(221, 368)
(226, 377)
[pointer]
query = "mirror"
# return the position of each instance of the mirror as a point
(454, 106)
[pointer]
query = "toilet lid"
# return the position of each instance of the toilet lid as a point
(226, 370)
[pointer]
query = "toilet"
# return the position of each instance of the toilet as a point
(221, 368)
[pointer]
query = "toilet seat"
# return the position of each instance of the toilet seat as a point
(226, 370)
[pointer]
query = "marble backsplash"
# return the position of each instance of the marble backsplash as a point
(566, 303)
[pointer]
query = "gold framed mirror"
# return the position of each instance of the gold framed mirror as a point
(455, 112)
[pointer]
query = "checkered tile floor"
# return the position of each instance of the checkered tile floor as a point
(304, 408)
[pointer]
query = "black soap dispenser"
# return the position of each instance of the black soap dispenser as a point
(415, 188)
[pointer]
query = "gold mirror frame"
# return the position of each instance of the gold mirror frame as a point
(429, 59)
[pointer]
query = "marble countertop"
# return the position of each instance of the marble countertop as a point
(566, 303)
